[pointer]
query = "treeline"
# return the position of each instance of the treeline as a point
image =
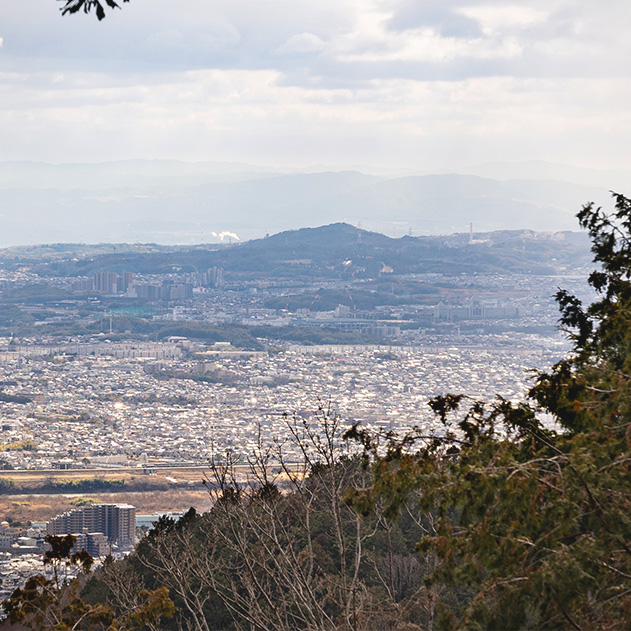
(27, 444)
(240, 336)
(14, 398)
(79, 485)
(365, 299)
(82, 485)
(288, 550)
(99, 484)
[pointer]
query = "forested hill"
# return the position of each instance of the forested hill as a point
(335, 250)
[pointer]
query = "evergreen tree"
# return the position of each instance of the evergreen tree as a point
(533, 520)
(56, 604)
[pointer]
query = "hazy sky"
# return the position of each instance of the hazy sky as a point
(413, 83)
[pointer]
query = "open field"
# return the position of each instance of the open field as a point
(40, 476)
(23, 508)
(39, 495)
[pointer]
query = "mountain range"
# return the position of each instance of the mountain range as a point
(170, 202)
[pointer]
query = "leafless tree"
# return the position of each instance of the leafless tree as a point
(284, 548)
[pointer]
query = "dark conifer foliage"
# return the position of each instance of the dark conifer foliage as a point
(533, 517)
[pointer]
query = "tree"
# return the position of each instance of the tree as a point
(56, 605)
(6, 484)
(44, 604)
(72, 6)
(532, 519)
(282, 549)
(5, 465)
(299, 556)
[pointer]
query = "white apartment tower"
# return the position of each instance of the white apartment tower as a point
(116, 521)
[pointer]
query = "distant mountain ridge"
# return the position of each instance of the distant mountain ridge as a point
(337, 250)
(615, 179)
(171, 202)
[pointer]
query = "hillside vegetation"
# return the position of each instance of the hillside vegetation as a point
(337, 250)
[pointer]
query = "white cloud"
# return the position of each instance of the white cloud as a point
(302, 43)
(338, 81)
(373, 41)
(251, 116)
(494, 18)
(422, 45)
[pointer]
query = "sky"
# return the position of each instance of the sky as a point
(416, 84)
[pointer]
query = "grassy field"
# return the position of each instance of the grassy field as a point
(42, 507)
(24, 478)
(30, 498)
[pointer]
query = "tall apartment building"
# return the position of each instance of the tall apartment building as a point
(116, 521)
(213, 277)
(124, 281)
(106, 282)
(95, 543)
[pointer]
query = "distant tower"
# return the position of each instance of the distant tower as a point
(107, 315)
(471, 232)
(359, 232)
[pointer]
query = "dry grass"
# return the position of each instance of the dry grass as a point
(27, 478)
(157, 492)
(42, 507)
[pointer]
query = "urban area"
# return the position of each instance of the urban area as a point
(137, 372)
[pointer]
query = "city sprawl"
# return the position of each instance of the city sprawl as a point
(126, 370)
(91, 410)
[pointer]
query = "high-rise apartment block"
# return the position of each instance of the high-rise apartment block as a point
(105, 282)
(116, 521)
(109, 283)
(213, 277)
(124, 281)
(95, 543)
